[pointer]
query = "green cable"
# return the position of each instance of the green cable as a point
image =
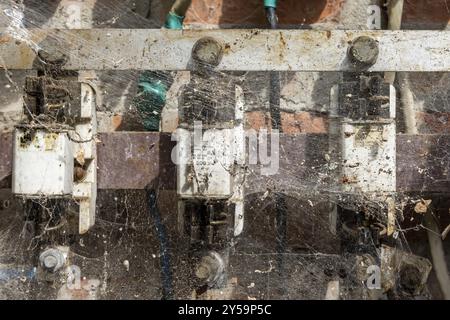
(151, 98)
(153, 85)
(270, 3)
(174, 21)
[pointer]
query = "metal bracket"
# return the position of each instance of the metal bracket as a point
(85, 153)
(243, 50)
(55, 152)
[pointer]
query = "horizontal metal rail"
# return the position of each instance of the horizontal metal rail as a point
(243, 50)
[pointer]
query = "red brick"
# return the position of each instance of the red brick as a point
(251, 12)
(434, 123)
(303, 122)
(433, 13)
(256, 120)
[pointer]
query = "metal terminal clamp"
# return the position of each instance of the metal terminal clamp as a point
(55, 148)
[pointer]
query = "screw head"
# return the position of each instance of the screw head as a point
(207, 51)
(210, 268)
(203, 272)
(79, 174)
(50, 262)
(363, 52)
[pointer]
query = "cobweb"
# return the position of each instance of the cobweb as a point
(289, 249)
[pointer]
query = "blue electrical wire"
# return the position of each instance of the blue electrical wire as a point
(166, 269)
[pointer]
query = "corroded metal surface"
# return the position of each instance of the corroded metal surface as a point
(248, 50)
(134, 161)
(5, 155)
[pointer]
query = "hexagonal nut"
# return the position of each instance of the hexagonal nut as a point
(52, 260)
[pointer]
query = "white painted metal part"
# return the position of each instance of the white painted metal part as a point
(44, 160)
(42, 163)
(243, 50)
(366, 152)
(85, 191)
(209, 163)
(206, 159)
(205, 173)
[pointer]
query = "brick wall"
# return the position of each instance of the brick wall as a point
(251, 12)
(418, 13)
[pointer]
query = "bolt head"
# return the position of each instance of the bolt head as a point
(50, 262)
(207, 51)
(363, 52)
(79, 173)
(203, 272)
